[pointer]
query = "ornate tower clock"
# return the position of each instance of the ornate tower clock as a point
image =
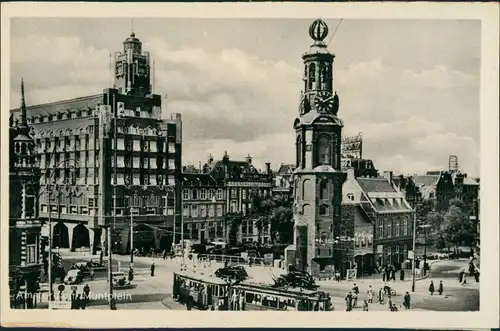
(318, 179)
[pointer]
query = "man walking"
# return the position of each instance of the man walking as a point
(153, 269)
(355, 290)
(130, 274)
(402, 275)
(431, 287)
(440, 287)
(406, 300)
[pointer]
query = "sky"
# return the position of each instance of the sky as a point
(411, 86)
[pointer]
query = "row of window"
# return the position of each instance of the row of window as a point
(393, 227)
(203, 194)
(135, 162)
(87, 143)
(201, 210)
(61, 116)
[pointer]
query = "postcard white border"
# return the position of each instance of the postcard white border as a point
(487, 317)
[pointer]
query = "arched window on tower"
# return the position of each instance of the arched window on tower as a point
(324, 151)
(323, 189)
(299, 150)
(312, 76)
(323, 210)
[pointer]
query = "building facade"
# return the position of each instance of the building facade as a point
(283, 181)
(112, 159)
(318, 177)
(436, 185)
(380, 203)
(25, 253)
(217, 200)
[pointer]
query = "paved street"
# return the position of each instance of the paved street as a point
(149, 292)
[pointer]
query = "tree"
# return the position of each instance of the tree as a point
(457, 227)
(275, 212)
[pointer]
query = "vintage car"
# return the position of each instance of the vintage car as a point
(82, 266)
(120, 281)
(74, 276)
(96, 265)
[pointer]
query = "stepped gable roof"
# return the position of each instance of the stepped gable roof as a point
(236, 170)
(375, 185)
(198, 179)
(71, 105)
(286, 169)
(426, 180)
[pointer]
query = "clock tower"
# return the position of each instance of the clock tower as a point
(318, 177)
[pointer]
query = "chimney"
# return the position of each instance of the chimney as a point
(268, 168)
(388, 176)
(350, 173)
(249, 159)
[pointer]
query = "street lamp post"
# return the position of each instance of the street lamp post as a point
(131, 238)
(49, 221)
(414, 246)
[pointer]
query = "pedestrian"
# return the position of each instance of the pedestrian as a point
(101, 257)
(86, 295)
(365, 306)
(407, 300)
(348, 301)
(461, 276)
(384, 274)
(164, 254)
(431, 287)
(389, 301)
(337, 276)
(370, 294)
(79, 302)
(476, 275)
(131, 274)
(394, 308)
(355, 290)
(402, 275)
(393, 272)
(440, 287)
(381, 293)
(190, 302)
(153, 269)
(92, 274)
(73, 299)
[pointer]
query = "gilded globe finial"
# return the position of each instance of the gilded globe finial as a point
(318, 30)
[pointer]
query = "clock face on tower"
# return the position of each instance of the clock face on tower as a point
(323, 101)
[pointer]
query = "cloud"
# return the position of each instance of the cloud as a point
(232, 99)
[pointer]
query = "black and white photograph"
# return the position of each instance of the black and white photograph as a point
(323, 163)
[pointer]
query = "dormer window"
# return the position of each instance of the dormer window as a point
(350, 196)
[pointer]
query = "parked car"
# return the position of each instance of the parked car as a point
(74, 276)
(96, 265)
(237, 273)
(120, 281)
(82, 266)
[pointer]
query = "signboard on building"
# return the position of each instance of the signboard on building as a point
(268, 258)
(410, 255)
(351, 275)
(352, 147)
(380, 249)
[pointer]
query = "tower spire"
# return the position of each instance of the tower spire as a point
(132, 33)
(22, 121)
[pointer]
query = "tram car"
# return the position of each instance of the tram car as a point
(206, 292)
(247, 296)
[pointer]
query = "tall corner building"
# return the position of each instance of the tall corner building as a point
(110, 158)
(318, 177)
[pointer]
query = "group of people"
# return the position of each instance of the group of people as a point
(385, 291)
(80, 300)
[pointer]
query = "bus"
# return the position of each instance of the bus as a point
(207, 291)
(247, 296)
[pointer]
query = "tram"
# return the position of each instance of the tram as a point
(210, 292)
(247, 296)
(207, 292)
